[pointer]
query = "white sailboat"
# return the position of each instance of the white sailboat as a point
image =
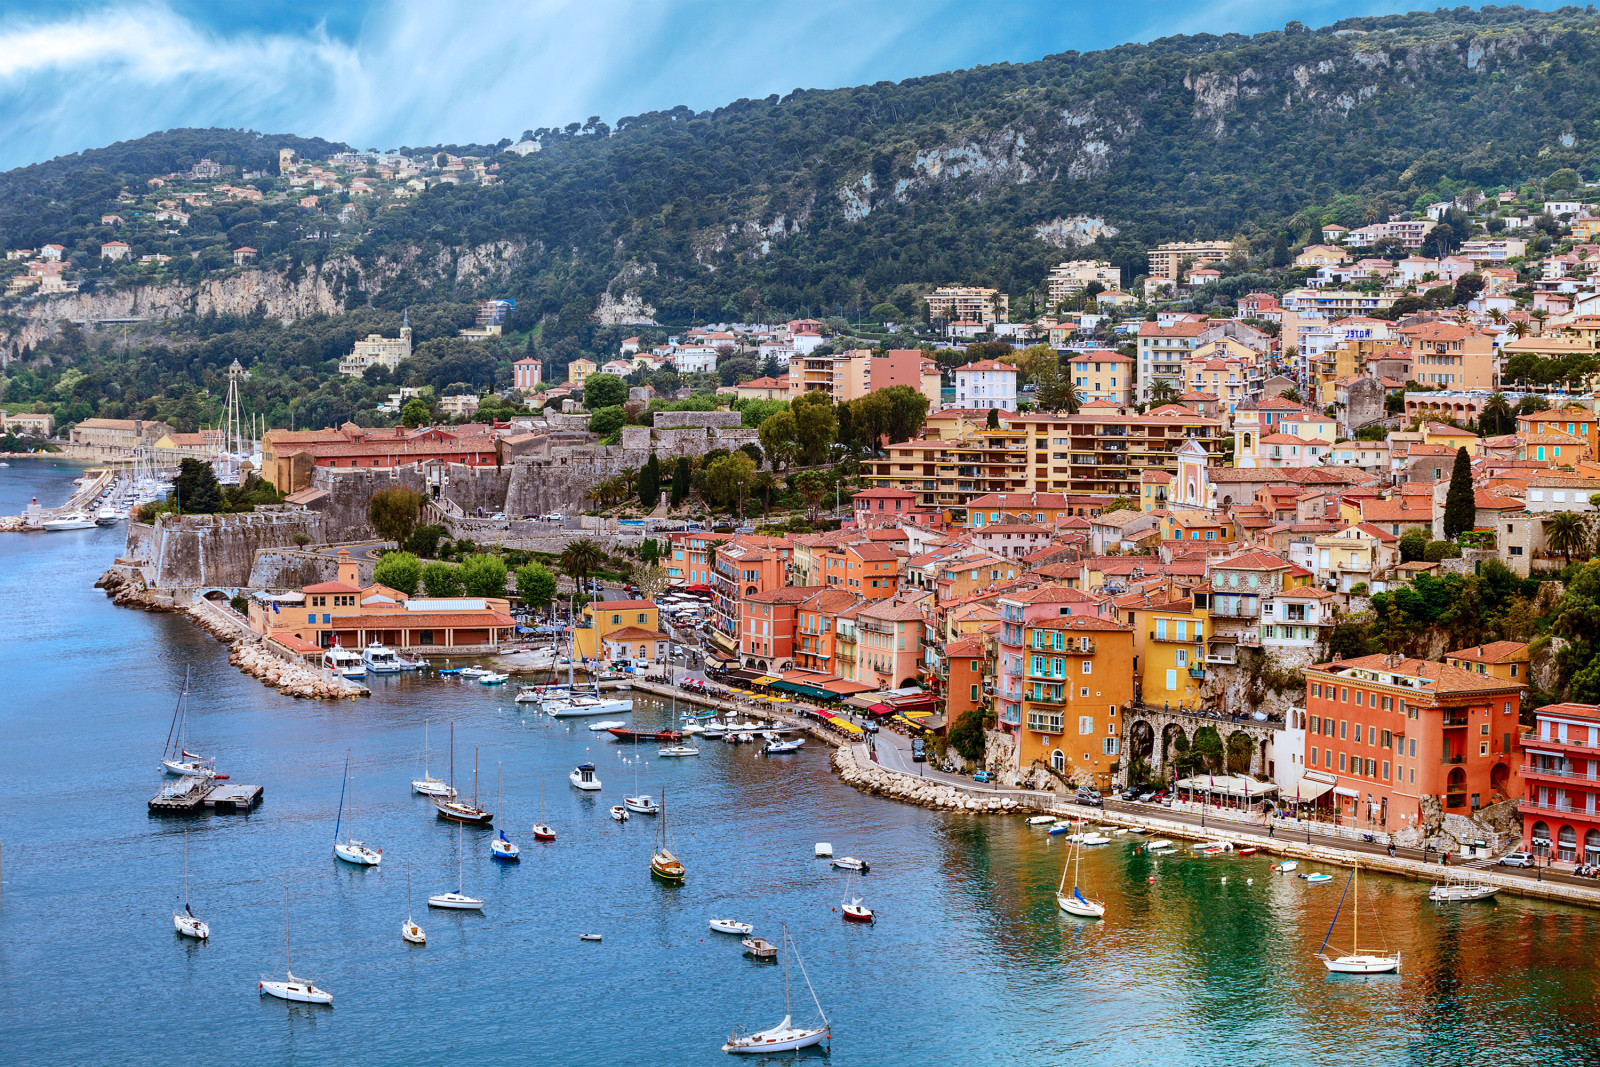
(1075, 903)
(185, 921)
(411, 932)
(175, 758)
(1358, 960)
(541, 829)
(428, 785)
(457, 900)
(785, 1037)
(502, 847)
(350, 850)
(292, 988)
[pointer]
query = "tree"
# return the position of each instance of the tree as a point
(582, 558)
(885, 313)
(1496, 417)
(650, 483)
(650, 550)
(398, 570)
(1563, 531)
(607, 421)
(484, 574)
(680, 481)
(424, 541)
(966, 735)
(414, 414)
(393, 512)
(729, 477)
(536, 586)
(1056, 391)
(196, 488)
(650, 579)
(442, 580)
(779, 437)
(1162, 391)
(604, 391)
(816, 426)
(1460, 511)
(993, 421)
(908, 410)
(811, 486)
(1413, 546)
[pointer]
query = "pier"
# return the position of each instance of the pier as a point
(188, 795)
(97, 481)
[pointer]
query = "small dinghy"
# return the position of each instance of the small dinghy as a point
(619, 813)
(588, 937)
(853, 911)
(760, 948)
(1286, 866)
(1317, 877)
(607, 725)
(678, 750)
(1160, 842)
(1041, 820)
(731, 926)
(1247, 851)
(850, 863)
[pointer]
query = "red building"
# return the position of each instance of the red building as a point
(766, 627)
(1394, 730)
(883, 507)
(1561, 777)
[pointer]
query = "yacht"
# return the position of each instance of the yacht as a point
(583, 777)
(380, 660)
(343, 662)
(73, 521)
(575, 707)
(109, 516)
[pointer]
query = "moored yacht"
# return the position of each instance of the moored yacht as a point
(380, 660)
(74, 521)
(343, 662)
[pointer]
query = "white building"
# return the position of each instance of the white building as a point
(379, 350)
(986, 384)
(1075, 275)
(694, 359)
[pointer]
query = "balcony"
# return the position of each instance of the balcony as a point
(1044, 723)
(1453, 761)
(1455, 719)
(1559, 772)
(1224, 659)
(1565, 808)
(1175, 639)
(1056, 700)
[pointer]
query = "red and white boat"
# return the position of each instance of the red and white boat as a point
(853, 911)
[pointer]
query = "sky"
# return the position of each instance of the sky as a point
(78, 74)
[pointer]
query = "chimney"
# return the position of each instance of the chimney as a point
(1338, 656)
(349, 573)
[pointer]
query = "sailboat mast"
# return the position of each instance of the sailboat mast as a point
(343, 783)
(474, 775)
(288, 964)
(452, 759)
(186, 869)
(1355, 915)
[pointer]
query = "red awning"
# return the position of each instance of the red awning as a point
(881, 709)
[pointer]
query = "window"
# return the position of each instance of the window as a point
(1341, 761)
(1109, 746)
(974, 694)
(1313, 757)
(616, 620)
(1343, 726)
(1085, 724)
(1483, 729)
(1483, 748)
(1088, 668)
(311, 616)
(1058, 760)
(1413, 751)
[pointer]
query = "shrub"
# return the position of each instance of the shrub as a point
(484, 575)
(424, 541)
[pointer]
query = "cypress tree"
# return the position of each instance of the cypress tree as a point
(650, 482)
(680, 481)
(1460, 510)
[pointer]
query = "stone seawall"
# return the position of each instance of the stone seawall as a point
(291, 568)
(214, 550)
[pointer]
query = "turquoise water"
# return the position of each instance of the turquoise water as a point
(970, 961)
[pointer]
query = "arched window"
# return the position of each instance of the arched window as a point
(1247, 442)
(1591, 847)
(1567, 844)
(1540, 840)
(1058, 760)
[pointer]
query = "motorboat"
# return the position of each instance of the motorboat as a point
(619, 813)
(731, 926)
(343, 662)
(850, 863)
(1316, 878)
(109, 516)
(853, 911)
(468, 672)
(410, 663)
(1092, 839)
(73, 521)
(1160, 842)
(1286, 866)
(291, 988)
(760, 948)
(589, 937)
(1358, 960)
(774, 748)
(1458, 889)
(582, 777)
(458, 900)
(537, 694)
(428, 785)
(185, 922)
(678, 750)
(606, 724)
(692, 728)
(1041, 820)
(380, 660)
(713, 730)
(643, 805)
(491, 678)
(350, 850)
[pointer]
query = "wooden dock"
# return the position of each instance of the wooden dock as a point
(188, 795)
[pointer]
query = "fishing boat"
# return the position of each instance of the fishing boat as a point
(350, 850)
(175, 758)
(678, 750)
(731, 926)
(1459, 889)
(502, 847)
(619, 813)
(850, 863)
(1075, 903)
(1358, 960)
(458, 900)
(428, 785)
(410, 932)
(663, 864)
(380, 660)
(1286, 866)
(582, 777)
(453, 807)
(643, 804)
(785, 1037)
(774, 748)
(185, 921)
(541, 832)
(760, 948)
(343, 662)
(291, 988)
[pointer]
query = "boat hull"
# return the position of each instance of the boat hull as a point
(1081, 907)
(1362, 964)
(543, 833)
(456, 811)
(732, 926)
(588, 785)
(299, 992)
(455, 902)
(1461, 894)
(432, 787)
(411, 933)
(666, 869)
(855, 915)
(358, 854)
(786, 1040)
(189, 926)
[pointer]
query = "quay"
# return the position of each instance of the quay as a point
(96, 481)
(188, 795)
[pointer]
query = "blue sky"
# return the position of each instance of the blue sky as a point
(380, 73)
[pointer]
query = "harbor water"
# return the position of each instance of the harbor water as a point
(1198, 960)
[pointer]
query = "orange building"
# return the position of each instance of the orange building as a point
(1394, 730)
(963, 676)
(743, 567)
(1506, 660)
(888, 644)
(866, 568)
(819, 635)
(690, 564)
(767, 625)
(1077, 672)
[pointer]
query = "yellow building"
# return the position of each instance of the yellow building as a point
(1506, 660)
(1196, 526)
(579, 369)
(1077, 678)
(1452, 437)
(1168, 650)
(632, 627)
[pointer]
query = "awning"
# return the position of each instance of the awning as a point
(765, 679)
(847, 727)
(803, 690)
(1341, 791)
(880, 709)
(744, 675)
(1306, 791)
(1226, 785)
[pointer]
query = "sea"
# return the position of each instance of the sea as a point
(1198, 960)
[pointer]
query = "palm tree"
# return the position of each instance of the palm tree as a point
(1496, 416)
(1519, 329)
(1162, 392)
(1565, 532)
(582, 558)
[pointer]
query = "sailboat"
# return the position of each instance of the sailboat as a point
(663, 864)
(457, 810)
(350, 850)
(457, 900)
(641, 803)
(292, 988)
(184, 921)
(428, 785)
(1075, 903)
(502, 847)
(542, 831)
(175, 759)
(411, 932)
(784, 1037)
(1358, 961)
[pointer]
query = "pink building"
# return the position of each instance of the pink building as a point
(1017, 612)
(526, 374)
(1561, 784)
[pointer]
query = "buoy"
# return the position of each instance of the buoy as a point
(1224, 880)
(1249, 881)
(1152, 878)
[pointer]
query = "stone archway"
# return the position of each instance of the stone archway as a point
(1239, 750)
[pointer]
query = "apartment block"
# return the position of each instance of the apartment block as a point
(1165, 259)
(1073, 277)
(953, 303)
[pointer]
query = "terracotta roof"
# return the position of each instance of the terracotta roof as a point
(1494, 652)
(1252, 561)
(613, 605)
(970, 645)
(890, 611)
(330, 587)
(1079, 622)
(634, 633)
(787, 594)
(1442, 677)
(1483, 498)
(988, 364)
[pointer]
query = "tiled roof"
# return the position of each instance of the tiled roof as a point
(634, 633)
(1442, 677)
(1079, 622)
(1494, 652)
(971, 645)
(615, 605)
(329, 587)
(1252, 561)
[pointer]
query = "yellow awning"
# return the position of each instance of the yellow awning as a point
(763, 680)
(847, 727)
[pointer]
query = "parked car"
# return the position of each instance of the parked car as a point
(1160, 797)
(982, 776)
(919, 751)
(1145, 798)
(1090, 800)
(1518, 859)
(1128, 794)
